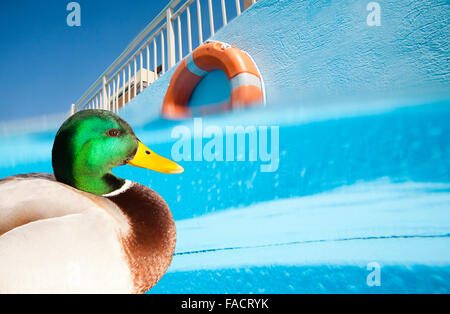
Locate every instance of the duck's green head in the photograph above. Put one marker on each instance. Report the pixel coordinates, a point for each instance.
(92, 142)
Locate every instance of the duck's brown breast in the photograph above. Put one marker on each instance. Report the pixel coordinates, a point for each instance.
(150, 244)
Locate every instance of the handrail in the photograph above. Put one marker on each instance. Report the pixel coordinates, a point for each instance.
(131, 46)
(127, 76)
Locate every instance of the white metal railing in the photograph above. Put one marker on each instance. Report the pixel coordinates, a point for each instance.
(155, 50)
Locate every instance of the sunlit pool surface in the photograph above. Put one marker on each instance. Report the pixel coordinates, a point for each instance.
(355, 185)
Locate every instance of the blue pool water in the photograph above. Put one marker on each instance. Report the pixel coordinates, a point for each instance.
(356, 184)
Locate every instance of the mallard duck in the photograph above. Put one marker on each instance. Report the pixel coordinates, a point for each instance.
(83, 229)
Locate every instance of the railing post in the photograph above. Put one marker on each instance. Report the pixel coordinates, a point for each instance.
(199, 20)
(170, 39)
(105, 98)
(72, 109)
(211, 18)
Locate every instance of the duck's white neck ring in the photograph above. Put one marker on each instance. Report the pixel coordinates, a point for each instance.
(124, 188)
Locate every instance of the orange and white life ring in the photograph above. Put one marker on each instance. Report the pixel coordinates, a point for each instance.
(247, 87)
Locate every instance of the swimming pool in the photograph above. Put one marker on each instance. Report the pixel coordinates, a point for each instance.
(355, 185)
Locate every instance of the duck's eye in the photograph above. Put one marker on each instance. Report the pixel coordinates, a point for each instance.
(113, 133)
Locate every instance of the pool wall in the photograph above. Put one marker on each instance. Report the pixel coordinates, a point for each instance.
(317, 51)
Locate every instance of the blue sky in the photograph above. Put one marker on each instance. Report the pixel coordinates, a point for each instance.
(47, 65)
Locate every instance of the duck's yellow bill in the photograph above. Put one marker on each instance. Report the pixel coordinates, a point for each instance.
(146, 158)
